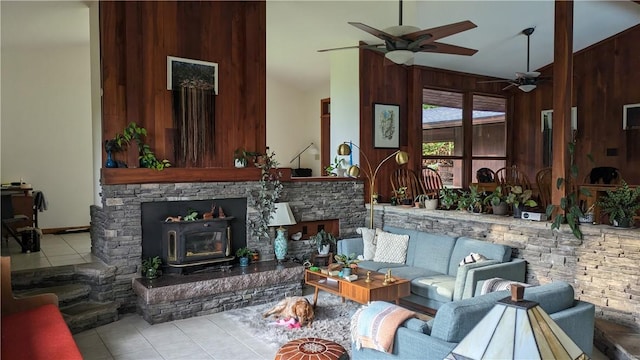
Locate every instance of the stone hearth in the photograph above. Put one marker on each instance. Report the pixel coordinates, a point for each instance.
(173, 297)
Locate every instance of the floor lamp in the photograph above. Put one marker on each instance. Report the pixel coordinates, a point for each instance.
(354, 171)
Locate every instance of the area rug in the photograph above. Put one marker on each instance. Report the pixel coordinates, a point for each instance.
(332, 322)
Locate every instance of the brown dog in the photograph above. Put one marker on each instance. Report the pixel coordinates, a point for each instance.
(293, 307)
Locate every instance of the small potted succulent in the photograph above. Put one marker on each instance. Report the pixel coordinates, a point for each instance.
(449, 198)
(349, 262)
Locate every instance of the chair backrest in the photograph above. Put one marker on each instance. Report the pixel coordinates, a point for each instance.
(543, 181)
(406, 177)
(431, 182)
(603, 175)
(511, 175)
(485, 175)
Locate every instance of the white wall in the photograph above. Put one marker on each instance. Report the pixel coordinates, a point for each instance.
(345, 101)
(293, 122)
(46, 127)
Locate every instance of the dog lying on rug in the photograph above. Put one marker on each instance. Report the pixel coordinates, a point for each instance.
(297, 307)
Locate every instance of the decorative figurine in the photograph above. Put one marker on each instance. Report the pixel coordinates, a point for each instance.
(368, 279)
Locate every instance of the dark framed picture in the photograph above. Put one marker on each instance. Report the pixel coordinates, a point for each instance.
(386, 126)
(181, 71)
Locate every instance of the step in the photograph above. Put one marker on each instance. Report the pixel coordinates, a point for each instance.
(89, 314)
(617, 341)
(67, 294)
(96, 272)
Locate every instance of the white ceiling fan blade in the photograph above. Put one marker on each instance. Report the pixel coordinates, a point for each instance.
(528, 74)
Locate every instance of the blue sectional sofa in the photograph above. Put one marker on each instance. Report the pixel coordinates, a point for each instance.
(432, 265)
(434, 339)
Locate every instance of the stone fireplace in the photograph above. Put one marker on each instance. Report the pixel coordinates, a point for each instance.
(117, 226)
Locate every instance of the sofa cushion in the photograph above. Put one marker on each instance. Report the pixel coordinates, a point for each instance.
(437, 287)
(464, 246)
(431, 251)
(409, 272)
(413, 235)
(390, 247)
(368, 242)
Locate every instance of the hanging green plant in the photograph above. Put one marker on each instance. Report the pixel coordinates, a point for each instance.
(264, 199)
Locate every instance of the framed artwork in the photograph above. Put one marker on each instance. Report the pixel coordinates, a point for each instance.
(386, 126)
(203, 73)
(631, 116)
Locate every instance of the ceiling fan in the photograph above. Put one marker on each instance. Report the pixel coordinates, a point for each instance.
(525, 81)
(402, 42)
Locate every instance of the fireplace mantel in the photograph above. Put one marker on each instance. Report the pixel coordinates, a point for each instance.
(186, 175)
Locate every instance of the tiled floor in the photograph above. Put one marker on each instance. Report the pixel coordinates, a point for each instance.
(55, 250)
(203, 337)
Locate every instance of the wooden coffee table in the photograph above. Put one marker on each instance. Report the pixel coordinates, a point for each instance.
(359, 290)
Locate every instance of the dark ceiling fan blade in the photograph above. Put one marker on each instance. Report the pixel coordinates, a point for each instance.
(430, 35)
(375, 32)
(509, 86)
(448, 49)
(372, 47)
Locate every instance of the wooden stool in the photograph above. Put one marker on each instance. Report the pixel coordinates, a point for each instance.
(312, 348)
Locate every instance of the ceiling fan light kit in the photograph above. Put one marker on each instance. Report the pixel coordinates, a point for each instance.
(527, 87)
(399, 56)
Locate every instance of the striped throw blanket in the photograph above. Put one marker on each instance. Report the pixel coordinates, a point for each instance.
(498, 284)
(374, 326)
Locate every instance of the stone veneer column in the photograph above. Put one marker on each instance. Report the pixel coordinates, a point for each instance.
(116, 231)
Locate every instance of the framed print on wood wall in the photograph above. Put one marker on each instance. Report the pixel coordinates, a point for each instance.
(386, 126)
(631, 116)
(179, 70)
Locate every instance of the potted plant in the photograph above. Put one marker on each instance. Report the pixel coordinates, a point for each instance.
(349, 261)
(255, 255)
(146, 157)
(448, 198)
(264, 198)
(427, 201)
(336, 166)
(519, 199)
(621, 204)
(151, 267)
(470, 200)
(323, 241)
(498, 201)
(401, 196)
(243, 254)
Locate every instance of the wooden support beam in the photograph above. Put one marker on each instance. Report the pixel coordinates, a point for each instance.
(562, 88)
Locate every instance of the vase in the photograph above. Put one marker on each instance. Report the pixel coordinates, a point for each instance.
(110, 163)
(431, 204)
(151, 273)
(346, 271)
(500, 209)
(244, 261)
(280, 245)
(517, 211)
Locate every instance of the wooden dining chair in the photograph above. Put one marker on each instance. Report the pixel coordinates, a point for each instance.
(485, 175)
(406, 177)
(431, 182)
(543, 181)
(511, 175)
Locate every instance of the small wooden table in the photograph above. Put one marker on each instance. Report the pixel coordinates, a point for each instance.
(359, 291)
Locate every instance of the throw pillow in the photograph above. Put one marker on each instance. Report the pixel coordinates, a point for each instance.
(472, 258)
(391, 248)
(369, 242)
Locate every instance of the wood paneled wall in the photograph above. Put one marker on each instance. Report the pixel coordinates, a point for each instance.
(606, 77)
(136, 38)
(381, 81)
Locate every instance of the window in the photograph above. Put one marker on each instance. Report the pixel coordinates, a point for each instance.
(443, 129)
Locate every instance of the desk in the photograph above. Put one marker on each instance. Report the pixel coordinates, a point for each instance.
(596, 191)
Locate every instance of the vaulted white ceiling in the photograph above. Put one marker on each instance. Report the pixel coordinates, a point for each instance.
(296, 29)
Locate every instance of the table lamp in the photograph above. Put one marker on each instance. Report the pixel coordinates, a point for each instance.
(354, 171)
(516, 329)
(281, 217)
